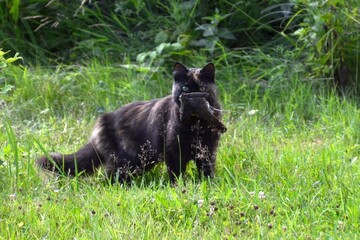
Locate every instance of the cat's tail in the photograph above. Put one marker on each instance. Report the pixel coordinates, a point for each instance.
(87, 159)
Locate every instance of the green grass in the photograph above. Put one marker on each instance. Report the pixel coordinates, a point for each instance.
(287, 168)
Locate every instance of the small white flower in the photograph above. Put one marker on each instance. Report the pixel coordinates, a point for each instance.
(12, 196)
(262, 195)
(56, 190)
(252, 112)
(341, 225)
(252, 194)
(200, 203)
(212, 211)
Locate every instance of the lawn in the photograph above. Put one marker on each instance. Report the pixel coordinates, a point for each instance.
(288, 166)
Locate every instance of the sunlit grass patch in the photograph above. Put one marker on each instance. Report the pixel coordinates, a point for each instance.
(287, 166)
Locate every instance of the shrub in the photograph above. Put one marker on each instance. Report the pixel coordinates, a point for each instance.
(328, 40)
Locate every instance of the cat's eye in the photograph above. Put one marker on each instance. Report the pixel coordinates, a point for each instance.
(185, 88)
(202, 89)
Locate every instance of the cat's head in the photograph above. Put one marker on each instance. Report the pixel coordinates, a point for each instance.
(194, 80)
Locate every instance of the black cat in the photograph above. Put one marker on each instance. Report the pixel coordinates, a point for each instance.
(133, 138)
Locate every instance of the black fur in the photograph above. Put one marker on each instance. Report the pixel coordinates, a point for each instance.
(133, 138)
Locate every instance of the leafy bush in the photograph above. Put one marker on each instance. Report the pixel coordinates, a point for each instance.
(74, 31)
(328, 40)
(4, 62)
(322, 33)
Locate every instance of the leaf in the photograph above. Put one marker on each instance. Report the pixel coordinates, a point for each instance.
(211, 46)
(207, 43)
(153, 55)
(300, 32)
(199, 43)
(225, 33)
(187, 5)
(176, 46)
(209, 29)
(2, 53)
(161, 37)
(6, 89)
(355, 12)
(138, 68)
(225, 16)
(13, 59)
(141, 57)
(14, 10)
(161, 47)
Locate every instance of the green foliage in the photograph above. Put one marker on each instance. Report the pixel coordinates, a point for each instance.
(328, 39)
(14, 10)
(212, 33)
(5, 61)
(287, 167)
(6, 87)
(47, 31)
(161, 52)
(114, 29)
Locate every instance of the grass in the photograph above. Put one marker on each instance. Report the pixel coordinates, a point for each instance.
(287, 168)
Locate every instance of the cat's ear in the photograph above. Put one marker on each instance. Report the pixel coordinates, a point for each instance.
(180, 68)
(180, 71)
(208, 72)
